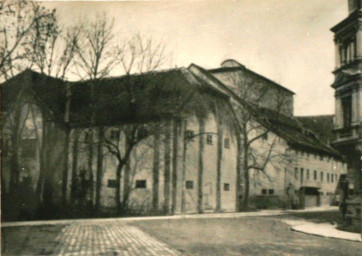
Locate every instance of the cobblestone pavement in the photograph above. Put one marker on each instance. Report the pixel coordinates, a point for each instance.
(102, 238)
(108, 239)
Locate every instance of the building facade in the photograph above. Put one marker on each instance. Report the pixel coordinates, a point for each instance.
(348, 100)
(193, 158)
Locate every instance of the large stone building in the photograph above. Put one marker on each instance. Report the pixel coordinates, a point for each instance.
(192, 127)
(348, 100)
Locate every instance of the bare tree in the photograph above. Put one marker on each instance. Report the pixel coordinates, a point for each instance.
(254, 97)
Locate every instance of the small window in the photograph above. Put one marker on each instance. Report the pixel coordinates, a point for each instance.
(322, 176)
(189, 184)
(189, 134)
(28, 147)
(271, 191)
(112, 183)
(265, 136)
(141, 184)
(227, 143)
(209, 139)
(315, 175)
(327, 177)
(114, 135)
(263, 191)
(308, 174)
(296, 172)
(321, 193)
(332, 178)
(226, 187)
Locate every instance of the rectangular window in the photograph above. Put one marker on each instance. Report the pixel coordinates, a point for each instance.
(189, 134)
(307, 174)
(301, 174)
(227, 143)
(296, 172)
(209, 139)
(189, 184)
(114, 135)
(315, 175)
(271, 191)
(347, 111)
(112, 184)
(327, 177)
(263, 191)
(141, 184)
(28, 147)
(226, 187)
(322, 176)
(332, 177)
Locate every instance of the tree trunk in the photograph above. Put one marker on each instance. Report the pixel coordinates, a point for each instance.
(201, 166)
(219, 159)
(42, 158)
(90, 165)
(99, 176)
(246, 173)
(239, 156)
(175, 128)
(126, 184)
(156, 171)
(118, 187)
(167, 170)
(48, 173)
(75, 166)
(65, 166)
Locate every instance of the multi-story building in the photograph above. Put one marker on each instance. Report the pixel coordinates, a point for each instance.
(195, 125)
(348, 100)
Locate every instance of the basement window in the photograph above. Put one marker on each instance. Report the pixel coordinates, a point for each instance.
(209, 139)
(226, 187)
(112, 183)
(141, 184)
(189, 184)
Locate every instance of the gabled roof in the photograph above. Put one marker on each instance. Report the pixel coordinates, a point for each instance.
(289, 128)
(234, 66)
(321, 125)
(48, 91)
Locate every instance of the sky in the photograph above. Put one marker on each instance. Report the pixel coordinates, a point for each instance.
(287, 41)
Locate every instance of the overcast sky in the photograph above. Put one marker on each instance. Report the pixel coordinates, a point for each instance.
(288, 41)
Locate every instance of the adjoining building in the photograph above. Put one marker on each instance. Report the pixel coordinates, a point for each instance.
(348, 105)
(190, 123)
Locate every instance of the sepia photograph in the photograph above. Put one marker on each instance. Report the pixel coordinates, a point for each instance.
(181, 127)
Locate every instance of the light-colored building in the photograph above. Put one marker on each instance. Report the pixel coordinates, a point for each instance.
(192, 160)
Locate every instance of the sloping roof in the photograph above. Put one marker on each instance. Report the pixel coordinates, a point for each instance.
(48, 91)
(321, 125)
(288, 128)
(249, 72)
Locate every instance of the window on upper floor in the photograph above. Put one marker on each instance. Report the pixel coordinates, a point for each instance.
(328, 177)
(315, 175)
(322, 174)
(347, 110)
(189, 184)
(209, 139)
(308, 174)
(296, 173)
(189, 134)
(28, 148)
(227, 143)
(141, 184)
(226, 187)
(332, 177)
(114, 135)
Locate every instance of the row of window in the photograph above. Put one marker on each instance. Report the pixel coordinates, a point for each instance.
(143, 184)
(189, 134)
(316, 156)
(267, 191)
(330, 176)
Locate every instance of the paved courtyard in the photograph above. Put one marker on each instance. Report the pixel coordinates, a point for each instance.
(110, 238)
(200, 235)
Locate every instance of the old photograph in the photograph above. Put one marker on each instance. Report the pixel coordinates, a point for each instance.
(179, 127)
